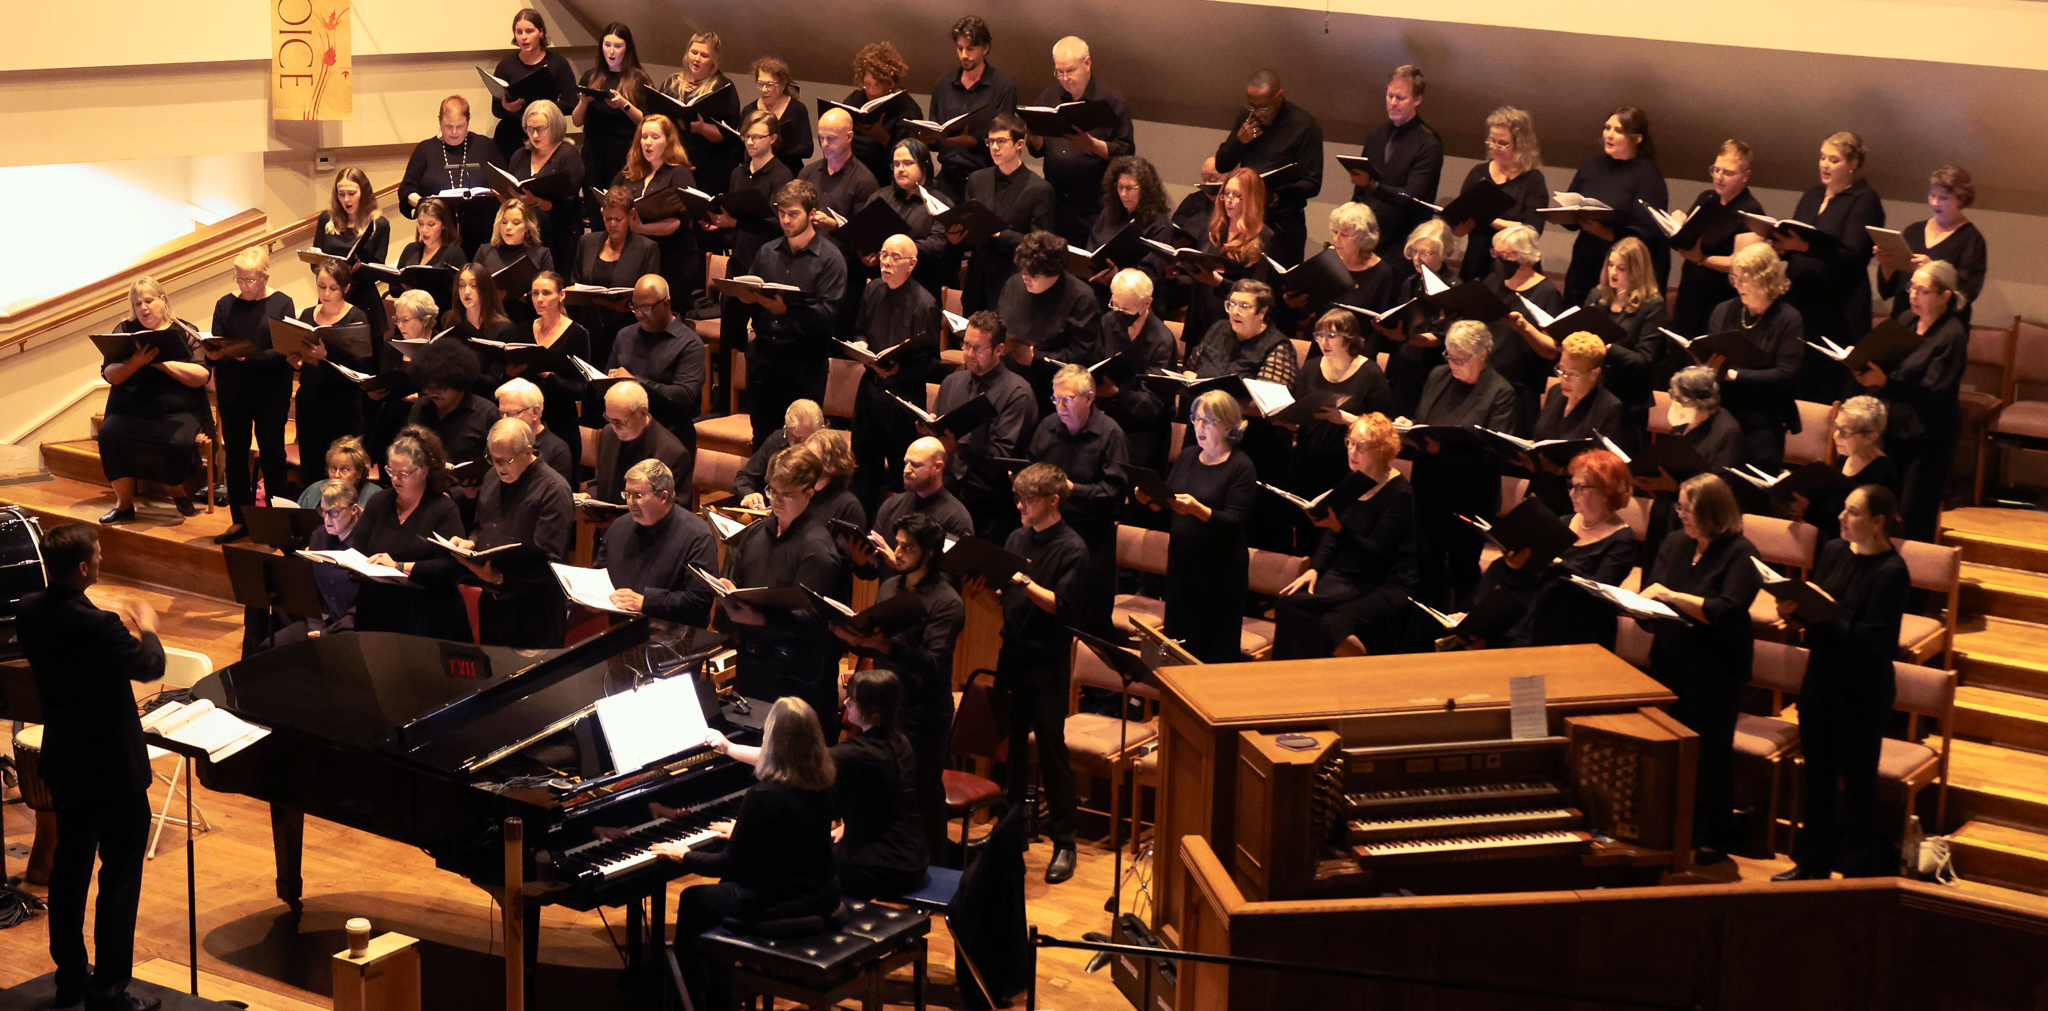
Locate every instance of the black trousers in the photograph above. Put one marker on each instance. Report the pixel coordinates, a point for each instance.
(1708, 705)
(1038, 704)
(265, 410)
(1311, 625)
(882, 432)
(1841, 732)
(698, 909)
(535, 619)
(1923, 471)
(930, 728)
(112, 824)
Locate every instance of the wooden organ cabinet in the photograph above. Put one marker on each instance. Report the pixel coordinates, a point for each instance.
(1319, 819)
(1271, 761)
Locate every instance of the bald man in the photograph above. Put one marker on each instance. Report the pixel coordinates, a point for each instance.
(1271, 132)
(1074, 164)
(522, 604)
(894, 311)
(661, 353)
(924, 491)
(844, 184)
(630, 435)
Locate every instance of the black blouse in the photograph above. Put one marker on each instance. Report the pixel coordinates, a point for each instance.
(1856, 651)
(1922, 392)
(1764, 396)
(793, 145)
(1963, 249)
(1701, 288)
(876, 793)
(1212, 550)
(509, 134)
(1319, 458)
(1530, 192)
(152, 392)
(1711, 658)
(751, 233)
(1831, 282)
(1375, 545)
(1627, 186)
(780, 853)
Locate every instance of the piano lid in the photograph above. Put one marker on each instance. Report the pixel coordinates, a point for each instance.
(400, 694)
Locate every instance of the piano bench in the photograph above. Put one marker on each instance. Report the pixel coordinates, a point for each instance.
(820, 970)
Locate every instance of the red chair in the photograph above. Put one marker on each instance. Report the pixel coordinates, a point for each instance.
(977, 733)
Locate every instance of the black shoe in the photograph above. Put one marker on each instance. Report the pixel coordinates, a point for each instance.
(1062, 866)
(1707, 857)
(186, 507)
(125, 1001)
(231, 534)
(1800, 872)
(68, 996)
(118, 515)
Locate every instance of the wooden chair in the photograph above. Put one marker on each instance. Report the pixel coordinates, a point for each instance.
(1175, 327)
(842, 387)
(2023, 421)
(1270, 573)
(712, 331)
(1301, 350)
(1772, 740)
(712, 476)
(734, 432)
(1660, 412)
(1783, 543)
(1936, 568)
(949, 300)
(1988, 381)
(1140, 550)
(977, 734)
(1811, 443)
(1099, 745)
(1905, 767)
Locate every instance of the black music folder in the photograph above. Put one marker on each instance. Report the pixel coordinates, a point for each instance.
(286, 528)
(1059, 120)
(537, 84)
(1482, 203)
(973, 556)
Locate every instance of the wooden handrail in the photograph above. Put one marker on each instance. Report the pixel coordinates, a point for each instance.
(201, 250)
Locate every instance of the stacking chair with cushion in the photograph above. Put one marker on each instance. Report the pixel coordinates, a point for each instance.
(712, 476)
(1270, 573)
(1786, 544)
(976, 734)
(2023, 422)
(1811, 443)
(1140, 550)
(1098, 745)
(1937, 568)
(183, 668)
(734, 432)
(1772, 740)
(1987, 389)
(842, 387)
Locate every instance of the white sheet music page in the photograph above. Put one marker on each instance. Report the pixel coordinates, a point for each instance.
(1526, 707)
(651, 722)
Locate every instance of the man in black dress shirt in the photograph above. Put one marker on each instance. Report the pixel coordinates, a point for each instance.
(519, 398)
(1410, 158)
(649, 551)
(1085, 443)
(630, 435)
(843, 182)
(1129, 321)
(973, 84)
(1074, 164)
(974, 467)
(1035, 662)
(751, 483)
(662, 354)
(894, 311)
(95, 762)
(786, 360)
(1270, 133)
(1013, 193)
(786, 652)
(924, 494)
(520, 503)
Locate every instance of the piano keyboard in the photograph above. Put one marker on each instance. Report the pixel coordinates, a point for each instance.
(1374, 830)
(1478, 793)
(1474, 847)
(604, 859)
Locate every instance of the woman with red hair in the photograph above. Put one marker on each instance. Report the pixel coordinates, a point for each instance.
(1237, 233)
(1555, 611)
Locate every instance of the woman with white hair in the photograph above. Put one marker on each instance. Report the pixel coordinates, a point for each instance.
(1922, 393)
(545, 154)
(254, 383)
(1858, 434)
(1207, 567)
(1523, 359)
(156, 408)
(1414, 339)
(1454, 480)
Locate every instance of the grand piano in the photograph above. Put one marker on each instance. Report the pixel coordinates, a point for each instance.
(436, 744)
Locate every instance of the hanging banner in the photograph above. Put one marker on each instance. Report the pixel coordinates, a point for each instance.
(309, 60)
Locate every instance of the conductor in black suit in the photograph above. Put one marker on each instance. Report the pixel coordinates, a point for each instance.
(95, 762)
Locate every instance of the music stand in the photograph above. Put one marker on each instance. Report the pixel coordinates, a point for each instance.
(282, 527)
(1130, 668)
(271, 581)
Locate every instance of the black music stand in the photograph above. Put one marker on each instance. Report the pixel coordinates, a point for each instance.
(282, 527)
(20, 702)
(264, 580)
(1130, 669)
(194, 756)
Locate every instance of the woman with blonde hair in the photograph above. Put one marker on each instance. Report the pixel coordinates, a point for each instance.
(1514, 163)
(1762, 399)
(157, 407)
(709, 143)
(253, 381)
(1830, 277)
(1578, 407)
(1362, 571)
(1207, 564)
(1522, 354)
(515, 234)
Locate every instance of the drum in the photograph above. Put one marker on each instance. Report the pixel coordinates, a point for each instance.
(28, 765)
(21, 571)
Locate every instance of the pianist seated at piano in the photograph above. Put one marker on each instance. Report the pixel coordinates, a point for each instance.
(1354, 594)
(775, 860)
(340, 511)
(520, 503)
(393, 531)
(630, 435)
(1548, 609)
(444, 372)
(649, 551)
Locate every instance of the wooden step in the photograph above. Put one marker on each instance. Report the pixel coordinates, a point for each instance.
(159, 547)
(1990, 783)
(2006, 655)
(2002, 718)
(2013, 538)
(1995, 590)
(2001, 855)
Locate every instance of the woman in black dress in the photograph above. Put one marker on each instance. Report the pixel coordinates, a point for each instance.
(1830, 277)
(1762, 399)
(1359, 579)
(1846, 696)
(414, 317)
(330, 405)
(1859, 431)
(254, 384)
(781, 98)
(1578, 407)
(1413, 339)
(156, 409)
(878, 70)
(547, 153)
(1926, 417)
(394, 531)
(775, 862)
(1346, 385)
(1627, 296)
(1520, 358)
(1245, 344)
(711, 145)
(1207, 564)
(553, 329)
(478, 310)
(1624, 176)
(532, 56)
(1513, 162)
(1238, 234)
(514, 236)
(350, 227)
(1458, 479)
(1703, 277)
(1947, 235)
(657, 163)
(880, 853)
(1140, 200)
(1697, 417)
(1555, 610)
(1355, 238)
(437, 243)
(610, 122)
(612, 257)
(1707, 573)
(453, 161)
